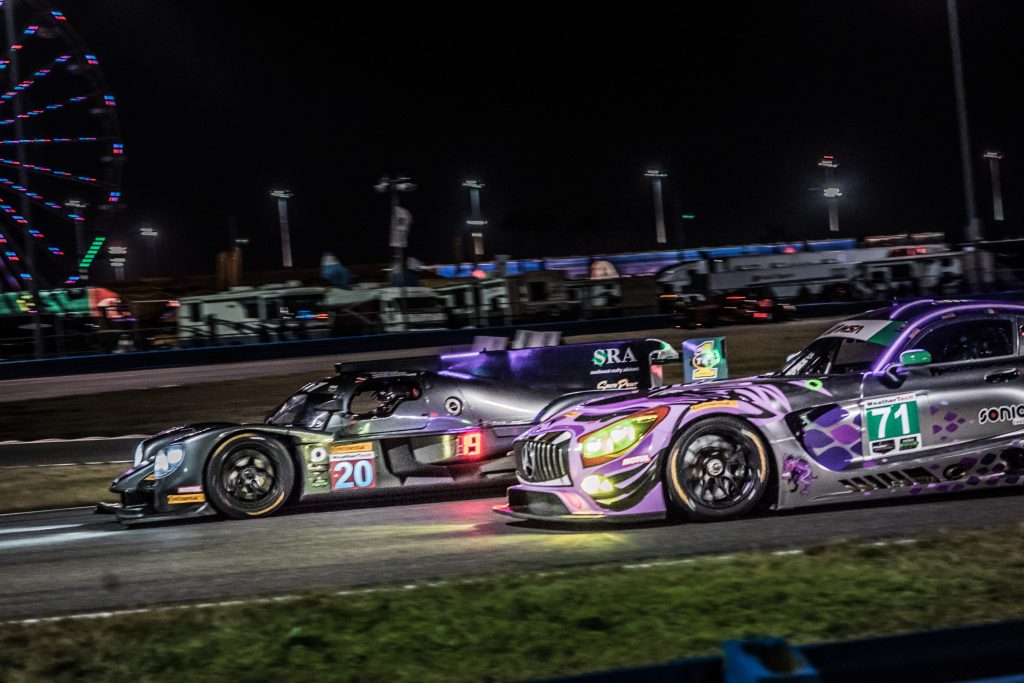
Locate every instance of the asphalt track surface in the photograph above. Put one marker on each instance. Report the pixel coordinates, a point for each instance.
(76, 451)
(73, 561)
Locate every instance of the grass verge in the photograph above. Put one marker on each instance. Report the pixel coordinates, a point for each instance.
(751, 350)
(513, 627)
(38, 488)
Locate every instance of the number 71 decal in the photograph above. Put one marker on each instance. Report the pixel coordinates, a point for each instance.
(891, 425)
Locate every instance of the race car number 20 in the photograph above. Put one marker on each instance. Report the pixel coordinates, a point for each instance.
(892, 425)
(353, 473)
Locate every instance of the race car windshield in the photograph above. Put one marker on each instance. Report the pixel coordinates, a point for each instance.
(834, 356)
(312, 410)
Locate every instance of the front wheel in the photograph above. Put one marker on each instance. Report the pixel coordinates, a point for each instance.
(249, 475)
(717, 469)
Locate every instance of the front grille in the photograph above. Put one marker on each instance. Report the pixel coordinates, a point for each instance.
(543, 458)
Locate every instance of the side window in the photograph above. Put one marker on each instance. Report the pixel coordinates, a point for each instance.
(967, 340)
(380, 396)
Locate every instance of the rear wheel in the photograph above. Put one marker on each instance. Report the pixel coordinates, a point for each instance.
(249, 475)
(717, 469)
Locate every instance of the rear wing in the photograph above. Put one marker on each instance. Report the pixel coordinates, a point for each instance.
(616, 365)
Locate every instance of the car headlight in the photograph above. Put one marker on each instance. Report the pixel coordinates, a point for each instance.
(139, 455)
(610, 442)
(168, 460)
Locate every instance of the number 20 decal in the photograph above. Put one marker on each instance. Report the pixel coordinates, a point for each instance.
(353, 474)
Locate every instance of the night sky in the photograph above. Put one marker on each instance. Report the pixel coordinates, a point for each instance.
(559, 111)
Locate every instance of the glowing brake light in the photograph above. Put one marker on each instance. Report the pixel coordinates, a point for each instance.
(761, 316)
(470, 445)
(764, 303)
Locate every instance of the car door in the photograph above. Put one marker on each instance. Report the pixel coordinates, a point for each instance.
(969, 395)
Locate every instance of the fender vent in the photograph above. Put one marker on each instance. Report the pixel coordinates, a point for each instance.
(890, 480)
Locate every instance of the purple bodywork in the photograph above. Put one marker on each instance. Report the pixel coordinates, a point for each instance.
(824, 434)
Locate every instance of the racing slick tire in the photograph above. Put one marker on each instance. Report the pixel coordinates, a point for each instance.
(249, 475)
(717, 469)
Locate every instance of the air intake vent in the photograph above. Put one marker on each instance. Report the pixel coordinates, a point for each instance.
(544, 458)
(890, 480)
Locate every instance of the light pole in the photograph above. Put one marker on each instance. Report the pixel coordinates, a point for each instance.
(475, 222)
(972, 233)
(282, 197)
(997, 188)
(399, 236)
(150, 234)
(659, 205)
(831, 192)
(118, 259)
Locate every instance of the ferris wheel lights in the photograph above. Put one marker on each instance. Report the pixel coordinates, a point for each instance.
(117, 148)
(91, 60)
(30, 30)
(109, 101)
(55, 251)
(75, 217)
(59, 16)
(62, 59)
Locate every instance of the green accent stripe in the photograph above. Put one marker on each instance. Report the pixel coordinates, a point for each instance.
(887, 335)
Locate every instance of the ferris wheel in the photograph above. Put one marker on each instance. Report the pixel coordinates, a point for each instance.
(60, 150)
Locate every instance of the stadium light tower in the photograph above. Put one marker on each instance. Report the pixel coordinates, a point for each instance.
(399, 238)
(475, 222)
(831, 192)
(659, 205)
(997, 190)
(282, 197)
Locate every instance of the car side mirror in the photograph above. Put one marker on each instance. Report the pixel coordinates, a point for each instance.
(791, 357)
(915, 357)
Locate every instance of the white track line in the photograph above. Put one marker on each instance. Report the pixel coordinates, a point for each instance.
(30, 529)
(39, 512)
(52, 540)
(65, 464)
(79, 440)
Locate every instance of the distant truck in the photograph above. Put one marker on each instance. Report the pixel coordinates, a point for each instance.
(246, 315)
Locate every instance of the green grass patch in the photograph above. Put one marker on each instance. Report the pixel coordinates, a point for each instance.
(513, 627)
(38, 488)
(144, 411)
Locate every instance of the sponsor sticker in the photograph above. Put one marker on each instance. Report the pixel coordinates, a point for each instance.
(636, 460)
(704, 359)
(190, 489)
(186, 499)
(857, 329)
(892, 424)
(623, 383)
(1013, 414)
(353, 472)
(351, 448)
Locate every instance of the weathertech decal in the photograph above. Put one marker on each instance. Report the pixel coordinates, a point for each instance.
(1013, 413)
